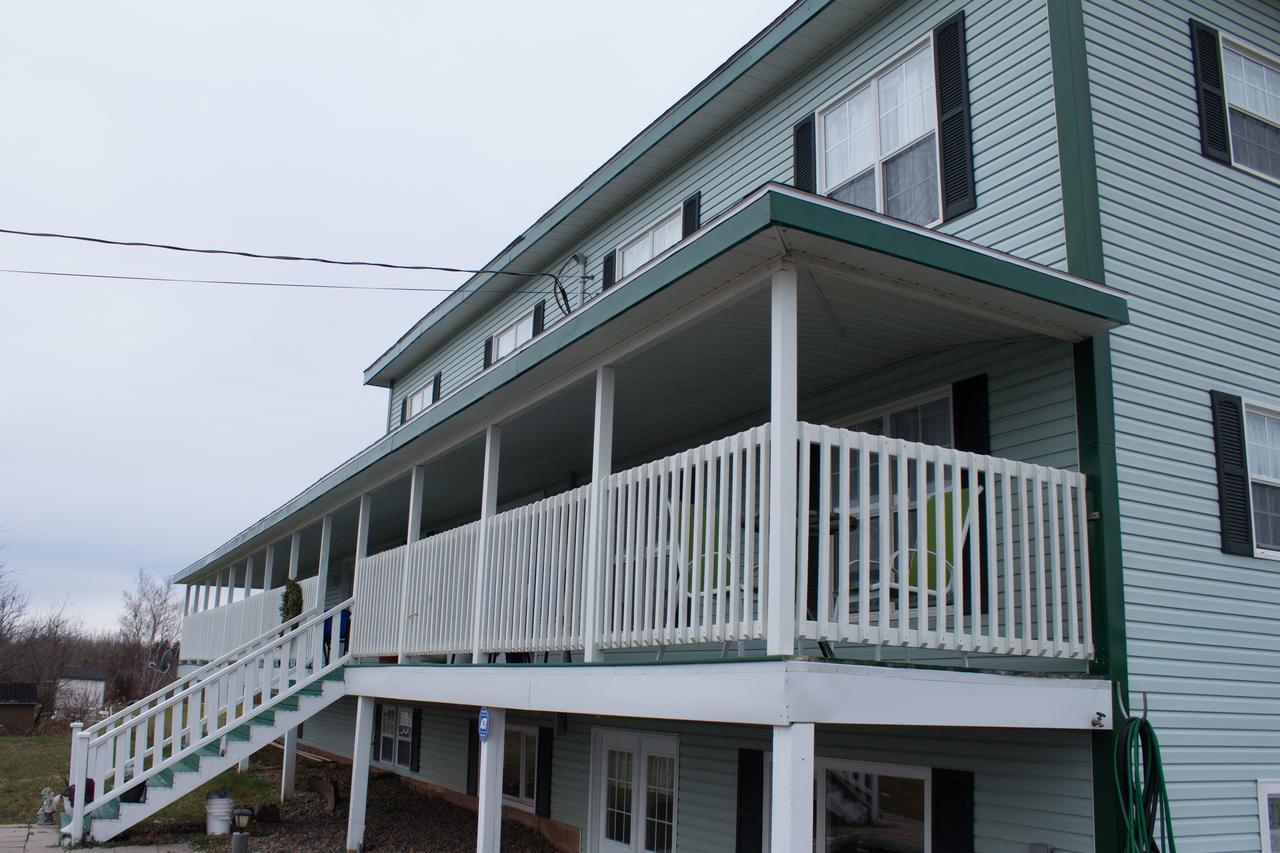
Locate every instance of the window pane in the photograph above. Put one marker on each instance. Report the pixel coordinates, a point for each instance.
(404, 752)
(1273, 820)
(835, 138)
(848, 133)
(907, 105)
(875, 426)
(388, 748)
(389, 720)
(911, 183)
(1262, 434)
(860, 192)
(636, 254)
(511, 753)
(1266, 516)
(864, 811)
(1253, 85)
(666, 235)
(660, 804)
(1255, 144)
(617, 800)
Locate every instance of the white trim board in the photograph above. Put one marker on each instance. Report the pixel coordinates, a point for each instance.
(756, 693)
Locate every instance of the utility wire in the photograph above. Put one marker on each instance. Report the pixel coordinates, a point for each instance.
(168, 280)
(140, 244)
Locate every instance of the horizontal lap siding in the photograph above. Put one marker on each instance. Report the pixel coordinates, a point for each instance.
(1196, 245)
(1014, 148)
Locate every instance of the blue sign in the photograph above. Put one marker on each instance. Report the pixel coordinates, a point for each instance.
(482, 725)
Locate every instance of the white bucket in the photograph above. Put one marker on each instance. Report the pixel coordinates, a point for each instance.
(217, 815)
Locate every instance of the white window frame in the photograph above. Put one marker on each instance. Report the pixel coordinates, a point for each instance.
(647, 233)
(1226, 43)
(425, 392)
(520, 802)
(881, 156)
(643, 743)
(885, 412)
(1271, 412)
(1266, 788)
(394, 760)
(902, 771)
(513, 326)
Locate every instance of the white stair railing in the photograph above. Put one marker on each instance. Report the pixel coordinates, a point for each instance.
(174, 723)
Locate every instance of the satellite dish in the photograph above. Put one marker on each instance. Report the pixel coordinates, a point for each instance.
(166, 661)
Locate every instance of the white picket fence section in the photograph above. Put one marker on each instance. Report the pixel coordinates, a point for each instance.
(910, 544)
(686, 546)
(209, 634)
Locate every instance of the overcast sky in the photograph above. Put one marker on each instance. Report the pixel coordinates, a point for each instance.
(141, 424)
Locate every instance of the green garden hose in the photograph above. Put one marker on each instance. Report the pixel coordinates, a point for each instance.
(1144, 802)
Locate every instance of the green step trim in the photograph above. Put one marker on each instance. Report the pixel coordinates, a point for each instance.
(240, 733)
(162, 779)
(107, 811)
(265, 718)
(211, 750)
(337, 675)
(289, 704)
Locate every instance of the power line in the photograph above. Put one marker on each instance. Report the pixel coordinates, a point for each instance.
(242, 254)
(238, 282)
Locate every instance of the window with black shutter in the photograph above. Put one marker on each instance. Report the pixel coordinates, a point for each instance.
(804, 155)
(1236, 98)
(749, 836)
(436, 382)
(1206, 64)
(609, 273)
(1247, 448)
(952, 818)
(691, 214)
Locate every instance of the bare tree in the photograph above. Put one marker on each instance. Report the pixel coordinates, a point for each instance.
(149, 625)
(14, 604)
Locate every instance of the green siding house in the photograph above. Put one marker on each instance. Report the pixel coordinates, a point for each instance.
(847, 458)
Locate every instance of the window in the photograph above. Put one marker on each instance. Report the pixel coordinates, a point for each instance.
(395, 740)
(513, 337)
(1253, 109)
(1262, 434)
(650, 243)
(926, 420)
(417, 402)
(878, 143)
(520, 766)
(1269, 814)
(871, 807)
(634, 791)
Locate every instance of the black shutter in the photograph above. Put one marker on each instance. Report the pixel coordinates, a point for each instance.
(952, 811)
(404, 409)
(955, 135)
(750, 831)
(691, 214)
(539, 317)
(610, 271)
(804, 144)
(1206, 64)
(488, 351)
(473, 757)
(377, 732)
(435, 387)
(415, 742)
(542, 783)
(1233, 474)
(970, 424)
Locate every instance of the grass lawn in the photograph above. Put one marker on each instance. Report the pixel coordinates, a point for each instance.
(27, 766)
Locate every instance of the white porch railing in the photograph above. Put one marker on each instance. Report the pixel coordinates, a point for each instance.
(211, 633)
(899, 544)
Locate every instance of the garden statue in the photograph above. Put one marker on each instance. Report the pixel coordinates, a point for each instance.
(48, 814)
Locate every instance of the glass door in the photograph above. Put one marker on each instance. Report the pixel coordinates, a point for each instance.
(636, 792)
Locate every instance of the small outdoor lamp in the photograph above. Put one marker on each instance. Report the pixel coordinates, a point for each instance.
(240, 816)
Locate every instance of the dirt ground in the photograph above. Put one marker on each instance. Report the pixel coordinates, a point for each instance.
(397, 818)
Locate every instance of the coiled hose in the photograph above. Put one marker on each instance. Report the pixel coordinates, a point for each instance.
(1144, 802)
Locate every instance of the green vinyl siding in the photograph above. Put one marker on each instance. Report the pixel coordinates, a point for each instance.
(1196, 247)
(1015, 160)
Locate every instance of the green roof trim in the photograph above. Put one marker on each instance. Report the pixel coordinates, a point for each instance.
(773, 205)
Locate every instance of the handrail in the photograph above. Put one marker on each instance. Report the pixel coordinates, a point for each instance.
(118, 715)
(187, 691)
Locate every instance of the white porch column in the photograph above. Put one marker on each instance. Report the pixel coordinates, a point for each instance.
(269, 568)
(489, 785)
(417, 480)
(248, 575)
(791, 823)
(359, 773)
(362, 527)
(488, 506)
(208, 591)
(601, 468)
(322, 572)
(217, 590)
(289, 761)
(186, 601)
(780, 629)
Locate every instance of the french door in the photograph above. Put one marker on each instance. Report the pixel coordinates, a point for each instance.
(634, 796)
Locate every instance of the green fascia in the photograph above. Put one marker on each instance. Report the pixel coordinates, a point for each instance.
(1095, 396)
(800, 14)
(772, 207)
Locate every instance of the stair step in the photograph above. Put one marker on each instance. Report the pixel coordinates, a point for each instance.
(314, 689)
(240, 733)
(211, 750)
(336, 675)
(189, 764)
(289, 704)
(161, 779)
(264, 718)
(107, 811)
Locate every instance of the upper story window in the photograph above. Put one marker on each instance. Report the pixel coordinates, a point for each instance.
(878, 144)
(648, 244)
(420, 400)
(1253, 109)
(1262, 433)
(513, 337)
(925, 419)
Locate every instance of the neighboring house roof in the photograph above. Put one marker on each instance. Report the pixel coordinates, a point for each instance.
(12, 693)
(85, 673)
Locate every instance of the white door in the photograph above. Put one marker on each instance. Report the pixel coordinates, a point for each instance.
(635, 776)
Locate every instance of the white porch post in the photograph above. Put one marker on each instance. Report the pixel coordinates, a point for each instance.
(362, 527)
(359, 773)
(791, 823)
(780, 629)
(208, 591)
(601, 468)
(217, 590)
(226, 620)
(322, 572)
(417, 480)
(186, 601)
(248, 575)
(488, 506)
(269, 568)
(489, 786)
(289, 762)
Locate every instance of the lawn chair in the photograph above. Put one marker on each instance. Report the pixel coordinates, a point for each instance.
(937, 555)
